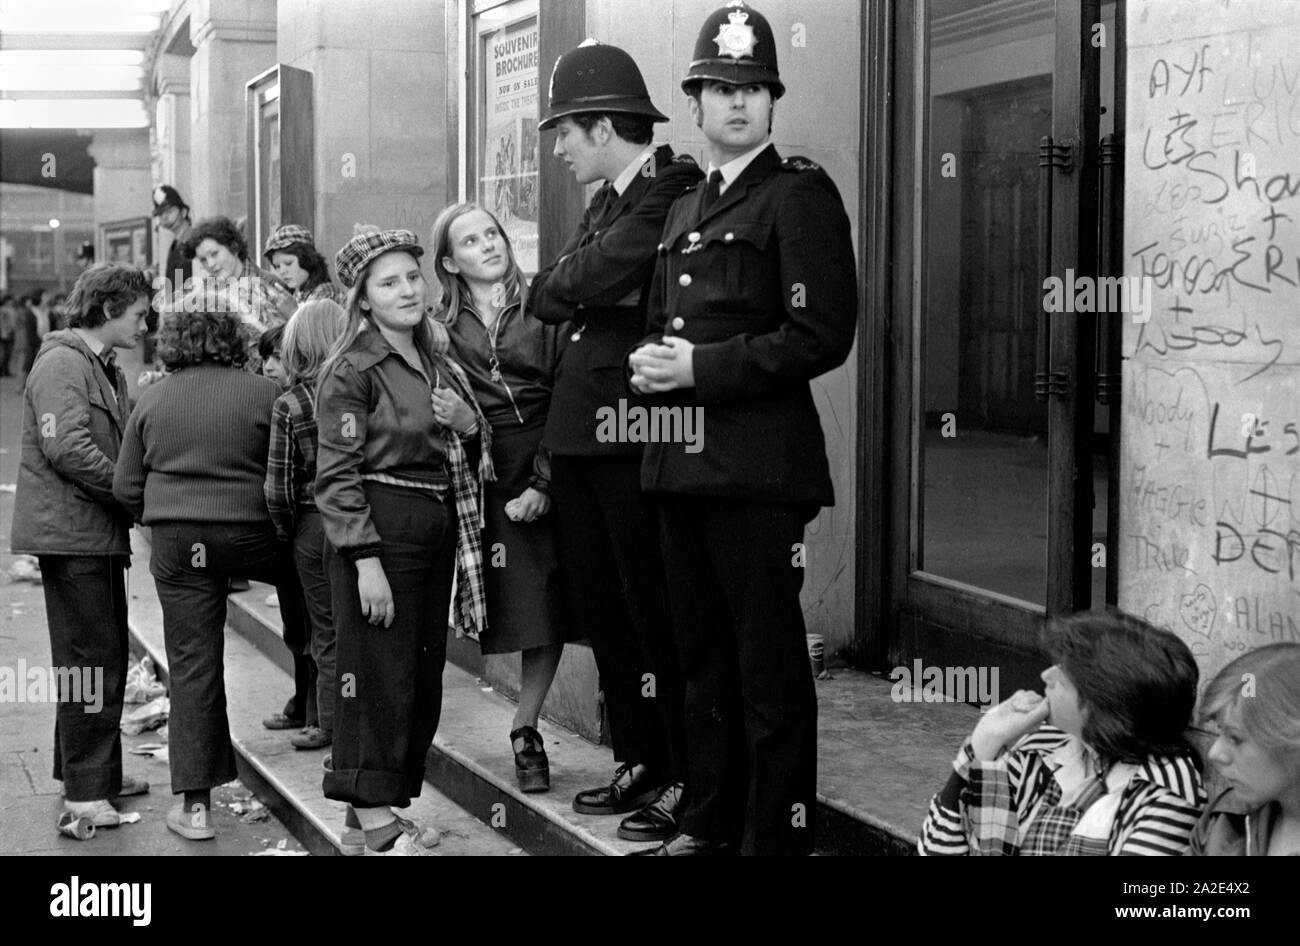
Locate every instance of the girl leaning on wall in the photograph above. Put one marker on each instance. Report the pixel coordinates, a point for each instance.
(510, 359)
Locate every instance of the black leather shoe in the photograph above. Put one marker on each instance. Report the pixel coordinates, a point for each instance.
(686, 846)
(532, 769)
(657, 821)
(632, 787)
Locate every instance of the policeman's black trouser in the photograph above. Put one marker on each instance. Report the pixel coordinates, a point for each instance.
(751, 705)
(388, 695)
(192, 564)
(85, 608)
(609, 552)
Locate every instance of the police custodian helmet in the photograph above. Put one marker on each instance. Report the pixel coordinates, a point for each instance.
(596, 77)
(735, 46)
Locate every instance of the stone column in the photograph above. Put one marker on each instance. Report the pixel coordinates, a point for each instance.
(122, 174)
(379, 79)
(234, 41)
(170, 135)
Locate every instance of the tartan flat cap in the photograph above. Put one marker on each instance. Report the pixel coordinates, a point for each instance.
(366, 245)
(286, 236)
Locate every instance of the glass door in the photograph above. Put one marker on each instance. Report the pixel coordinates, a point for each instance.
(997, 428)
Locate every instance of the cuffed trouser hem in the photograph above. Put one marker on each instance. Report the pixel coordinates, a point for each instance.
(362, 788)
(91, 782)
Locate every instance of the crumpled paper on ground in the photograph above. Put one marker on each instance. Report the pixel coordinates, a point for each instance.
(250, 811)
(150, 716)
(25, 568)
(142, 682)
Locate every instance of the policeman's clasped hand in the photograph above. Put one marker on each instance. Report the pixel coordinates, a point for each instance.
(664, 367)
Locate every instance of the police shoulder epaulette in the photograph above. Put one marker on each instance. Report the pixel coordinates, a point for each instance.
(684, 159)
(799, 164)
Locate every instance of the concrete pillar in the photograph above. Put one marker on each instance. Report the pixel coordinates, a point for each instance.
(171, 128)
(233, 40)
(170, 135)
(379, 108)
(123, 178)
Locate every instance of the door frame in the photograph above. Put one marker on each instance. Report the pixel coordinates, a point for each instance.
(902, 612)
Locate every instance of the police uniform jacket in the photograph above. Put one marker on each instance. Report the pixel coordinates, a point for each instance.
(599, 284)
(764, 284)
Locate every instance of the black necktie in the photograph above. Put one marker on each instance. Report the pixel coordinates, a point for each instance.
(601, 203)
(711, 190)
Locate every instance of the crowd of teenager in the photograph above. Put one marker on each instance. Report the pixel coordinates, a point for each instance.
(414, 447)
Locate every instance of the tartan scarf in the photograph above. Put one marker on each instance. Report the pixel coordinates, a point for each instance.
(470, 608)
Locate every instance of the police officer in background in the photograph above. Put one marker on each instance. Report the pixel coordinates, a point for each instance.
(754, 295)
(173, 216)
(606, 527)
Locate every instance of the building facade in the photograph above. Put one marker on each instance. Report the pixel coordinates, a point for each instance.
(1002, 452)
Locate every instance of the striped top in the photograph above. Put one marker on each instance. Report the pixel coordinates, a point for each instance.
(989, 807)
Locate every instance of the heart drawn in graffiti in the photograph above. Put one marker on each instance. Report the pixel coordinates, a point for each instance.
(1198, 610)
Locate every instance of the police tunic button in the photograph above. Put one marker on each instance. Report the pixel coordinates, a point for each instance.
(684, 279)
(660, 248)
(693, 236)
(575, 336)
(679, 323)
(728, 237)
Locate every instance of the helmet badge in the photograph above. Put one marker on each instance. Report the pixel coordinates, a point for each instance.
(736, 38)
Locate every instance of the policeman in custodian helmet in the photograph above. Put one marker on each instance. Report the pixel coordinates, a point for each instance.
(735, 46)
(597, 77)
(605, 527)
(754, 295)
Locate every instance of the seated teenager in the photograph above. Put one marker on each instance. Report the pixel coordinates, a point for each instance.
(1101, 765)
(1254, 704)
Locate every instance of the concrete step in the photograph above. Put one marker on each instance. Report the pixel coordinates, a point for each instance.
(286, 780)
(879, 761)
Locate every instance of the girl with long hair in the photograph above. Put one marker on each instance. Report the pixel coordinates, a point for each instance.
(510, 359)
(399, 500)
(1254, 703)
(291, 499)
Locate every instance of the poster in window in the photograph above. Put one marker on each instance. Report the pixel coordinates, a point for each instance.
(508, 173)
(127, 241)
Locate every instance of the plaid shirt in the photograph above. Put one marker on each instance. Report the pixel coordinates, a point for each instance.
(291, 461)
(1147, 809)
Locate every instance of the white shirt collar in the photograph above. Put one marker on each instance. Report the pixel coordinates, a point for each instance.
(95, 345)
(632, 170)
(736, 166)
